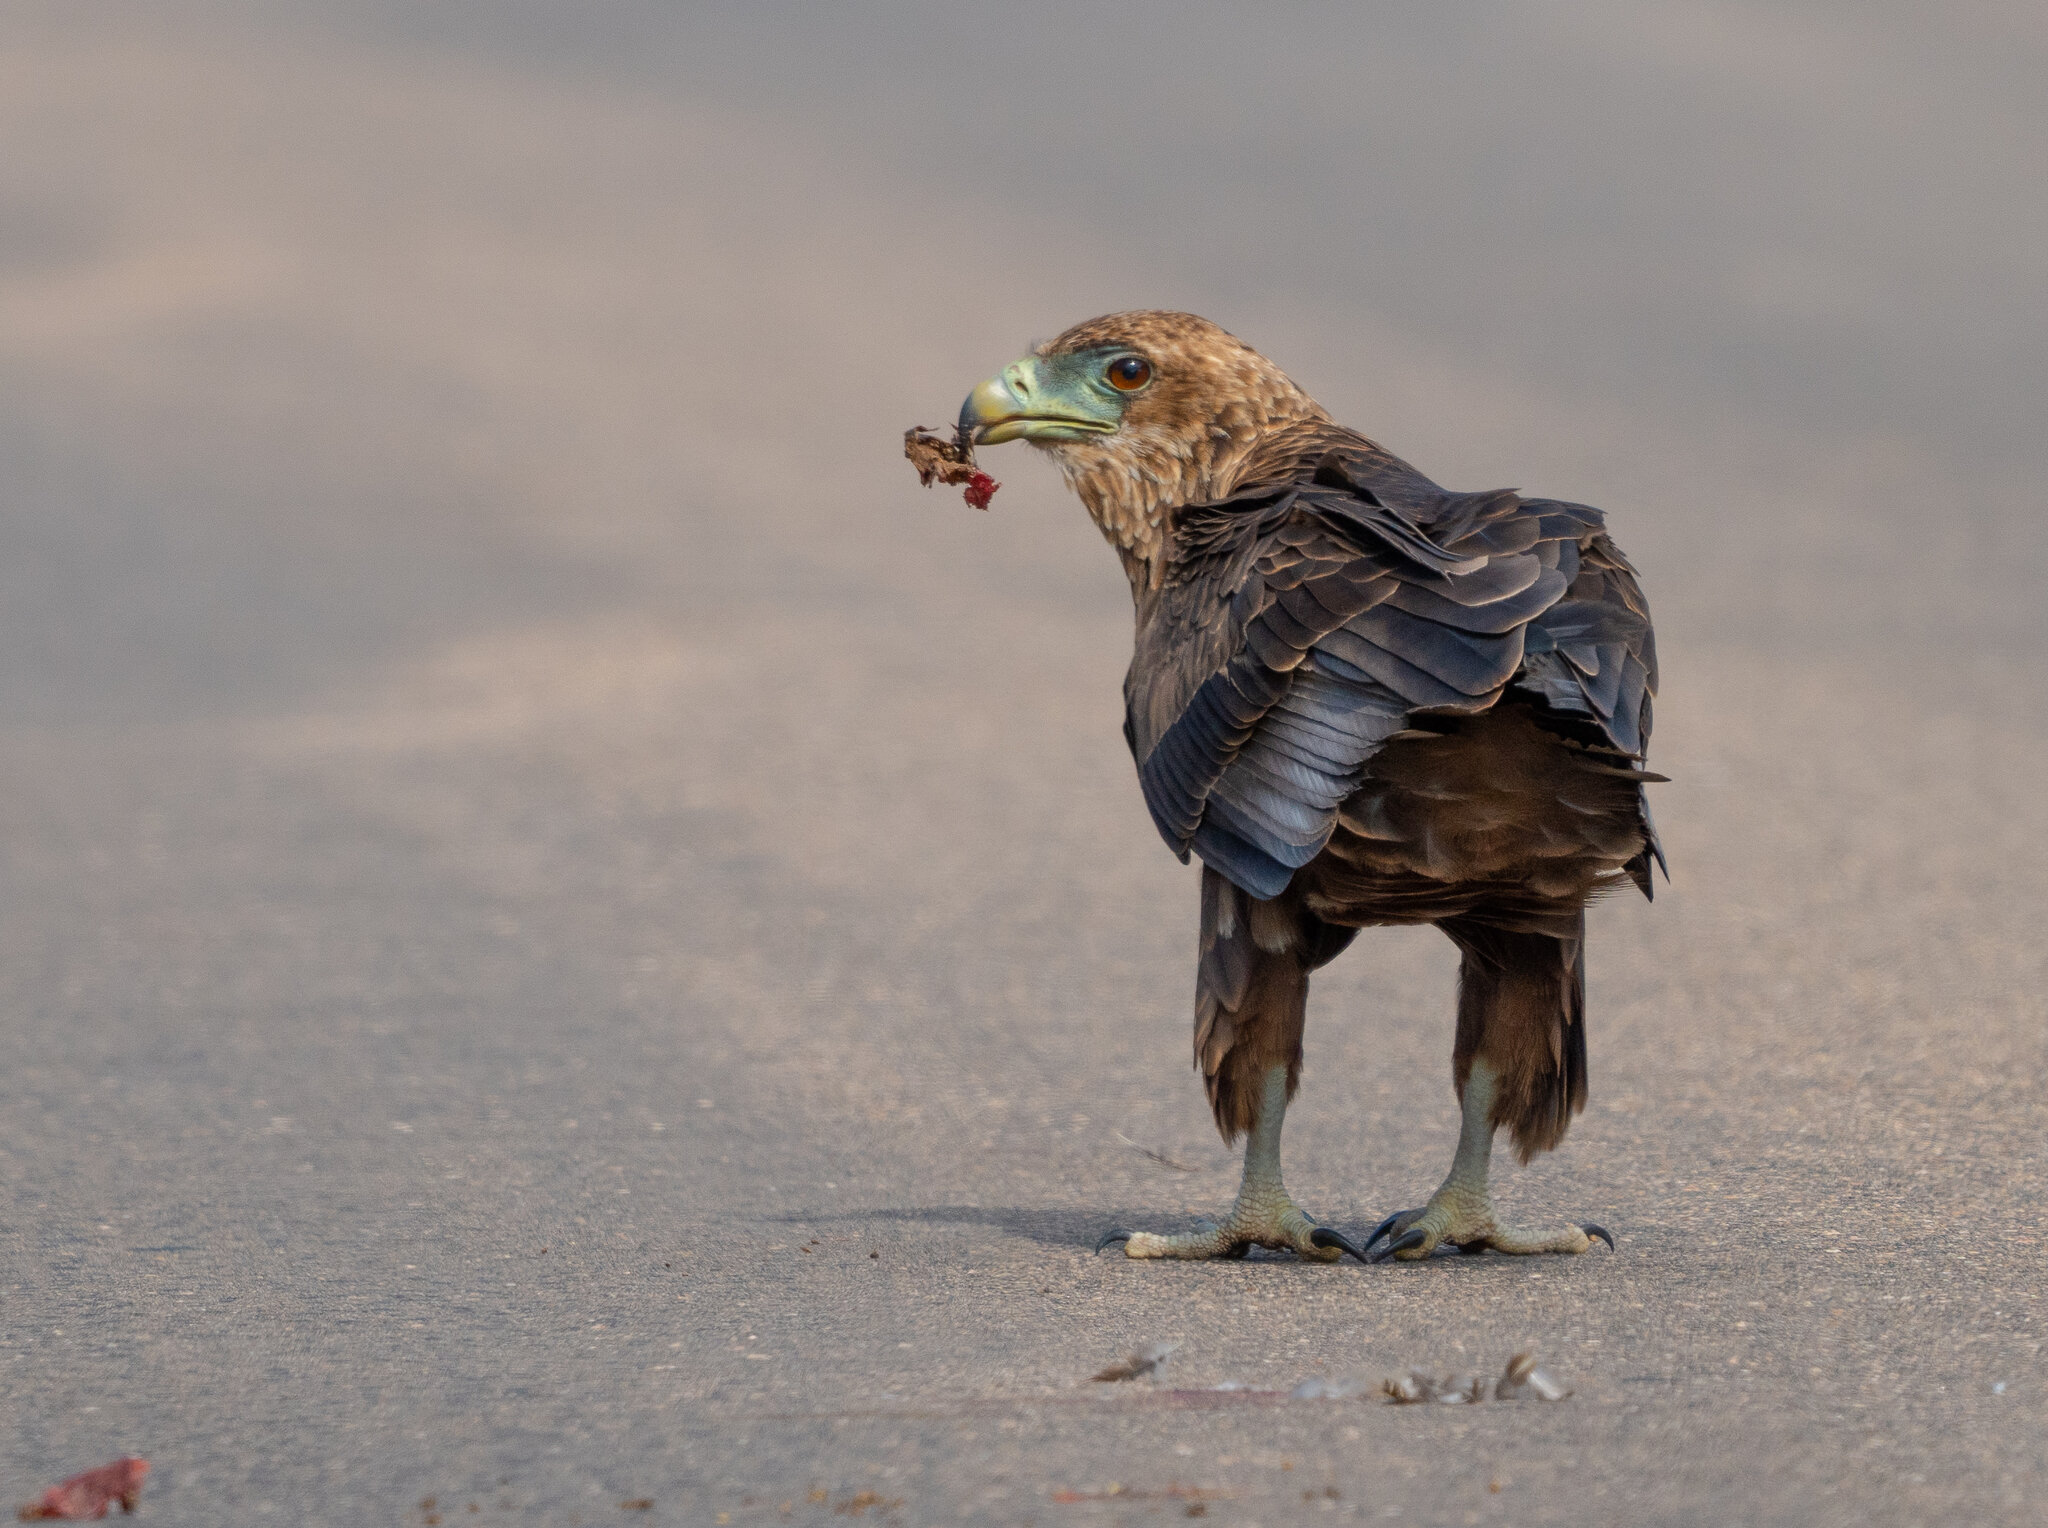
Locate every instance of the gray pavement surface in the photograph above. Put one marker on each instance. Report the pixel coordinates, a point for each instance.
(571, 938)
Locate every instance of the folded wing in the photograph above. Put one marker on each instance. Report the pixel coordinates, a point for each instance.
(1307, 619)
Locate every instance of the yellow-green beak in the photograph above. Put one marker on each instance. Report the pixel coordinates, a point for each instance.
(1030, 400)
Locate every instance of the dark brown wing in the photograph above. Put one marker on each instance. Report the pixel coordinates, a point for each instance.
(1593, 655)
(1304, 620)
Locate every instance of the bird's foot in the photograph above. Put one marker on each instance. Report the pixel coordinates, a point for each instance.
(1457, 1217)
(1271, 1220)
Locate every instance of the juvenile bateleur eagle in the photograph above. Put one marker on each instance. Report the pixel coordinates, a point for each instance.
(1359, 699)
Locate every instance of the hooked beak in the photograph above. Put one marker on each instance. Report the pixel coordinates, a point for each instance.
(1021, 403)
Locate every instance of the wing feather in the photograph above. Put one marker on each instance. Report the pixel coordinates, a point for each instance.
(1304, 622)
(1506, 613)
(1417, 686)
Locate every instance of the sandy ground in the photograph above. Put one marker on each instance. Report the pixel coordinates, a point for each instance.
(571, 938)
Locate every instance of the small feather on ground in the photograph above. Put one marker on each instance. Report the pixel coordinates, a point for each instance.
(88, 1495)
(1143, 1364)
(1521, 1380)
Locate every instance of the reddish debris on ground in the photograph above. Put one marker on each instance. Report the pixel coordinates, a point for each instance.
(89, 1495)
(939, 460)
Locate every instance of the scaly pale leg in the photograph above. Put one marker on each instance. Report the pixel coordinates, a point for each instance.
(1461, 1213)
(1263, 1216)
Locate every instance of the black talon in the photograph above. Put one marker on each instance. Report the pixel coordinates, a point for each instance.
(1383, 1227)
(1414, 1238)
(1114, 1236)
(1322, 1236)
(1599, 1231)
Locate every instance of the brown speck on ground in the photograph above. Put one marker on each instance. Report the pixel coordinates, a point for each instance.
(863, 1501)
(1143, 1364)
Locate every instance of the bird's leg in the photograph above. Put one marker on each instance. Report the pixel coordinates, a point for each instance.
(1263, 1216)
(1460, 1213)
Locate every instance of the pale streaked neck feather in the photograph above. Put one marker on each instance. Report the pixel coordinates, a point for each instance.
(1132, 484)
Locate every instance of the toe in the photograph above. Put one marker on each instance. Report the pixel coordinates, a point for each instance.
(1142, 1244)
(1569, 1241)
(1207, 1240)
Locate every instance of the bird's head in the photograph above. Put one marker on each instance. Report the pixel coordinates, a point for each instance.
(1144, 411)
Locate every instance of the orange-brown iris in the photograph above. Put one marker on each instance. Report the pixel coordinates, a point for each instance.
(1129, 373)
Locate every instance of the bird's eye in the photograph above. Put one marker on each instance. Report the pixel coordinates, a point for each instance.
(1129, 373)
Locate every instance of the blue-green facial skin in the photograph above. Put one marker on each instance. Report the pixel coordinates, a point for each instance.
(1064, 397)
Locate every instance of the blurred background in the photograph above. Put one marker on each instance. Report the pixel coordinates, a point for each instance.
(500, 753)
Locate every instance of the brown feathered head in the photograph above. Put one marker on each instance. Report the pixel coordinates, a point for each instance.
(1145, 412)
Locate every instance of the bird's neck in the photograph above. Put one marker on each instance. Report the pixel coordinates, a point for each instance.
(1134, 490)
(1132, 504)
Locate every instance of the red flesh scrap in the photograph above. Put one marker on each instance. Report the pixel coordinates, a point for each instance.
(89, 1495)
(980, 489)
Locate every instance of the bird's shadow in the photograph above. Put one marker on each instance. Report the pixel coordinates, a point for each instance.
(1073, 1228)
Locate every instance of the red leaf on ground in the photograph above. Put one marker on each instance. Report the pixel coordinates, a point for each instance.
(90, 1494)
